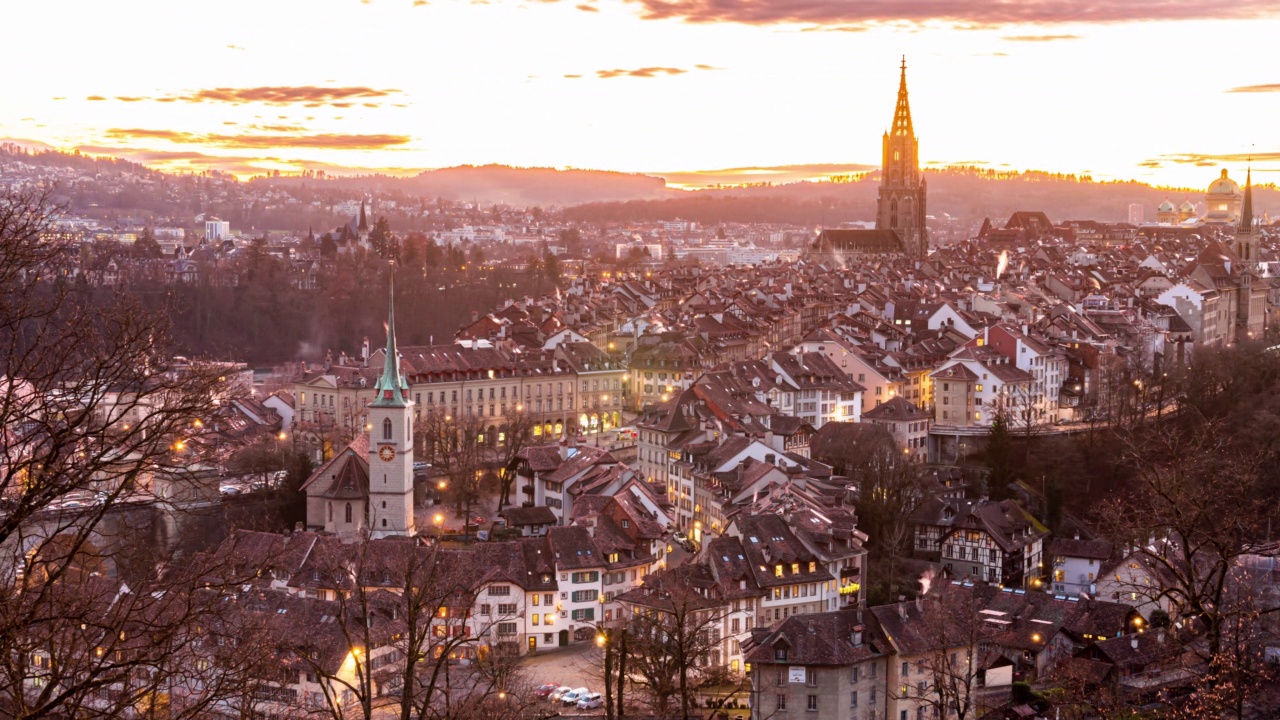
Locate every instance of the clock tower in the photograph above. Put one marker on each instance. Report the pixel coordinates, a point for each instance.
(391, 442)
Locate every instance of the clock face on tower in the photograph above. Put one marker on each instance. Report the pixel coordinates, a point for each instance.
(387, 453)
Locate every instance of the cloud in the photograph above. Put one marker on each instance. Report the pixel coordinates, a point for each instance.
(277, 95)
(234, 47)
(1206, 159)
(971, 12)
(243, 166)
(1270, 87)
(1039, 38)
(646, 72)
(573, 77)
(587, 8)
(328, 141)
(837, 28)
(1151, 164)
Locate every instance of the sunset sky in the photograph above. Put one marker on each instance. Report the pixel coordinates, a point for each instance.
(1164, 91)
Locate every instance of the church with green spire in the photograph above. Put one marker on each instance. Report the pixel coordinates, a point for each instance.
(367, 489)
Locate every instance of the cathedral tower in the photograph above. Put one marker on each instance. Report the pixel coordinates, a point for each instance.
(391, 442)
(1246, 238)
(901, 203)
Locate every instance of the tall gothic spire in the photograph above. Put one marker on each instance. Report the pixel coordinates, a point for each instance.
(902, 114)
(391, 387)
(1246, 209)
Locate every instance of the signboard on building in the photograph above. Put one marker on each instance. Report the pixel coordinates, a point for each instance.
(795, 674)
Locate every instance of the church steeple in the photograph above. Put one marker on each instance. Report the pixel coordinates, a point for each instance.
(363, 225)
(392, 390)
(902, 113)
(1246, 209)
(901, 201)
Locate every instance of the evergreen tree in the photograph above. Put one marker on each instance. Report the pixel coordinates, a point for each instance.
(146, 246)
(999, 456)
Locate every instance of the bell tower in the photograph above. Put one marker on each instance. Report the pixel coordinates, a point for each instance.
(901, 203)
(391, 441)
(1246, 237)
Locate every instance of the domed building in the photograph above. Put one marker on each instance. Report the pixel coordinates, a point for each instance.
(1186, 211)
(1166, 214)
(1223, 200)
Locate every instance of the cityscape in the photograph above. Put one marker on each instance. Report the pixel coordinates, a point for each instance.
(308, 422)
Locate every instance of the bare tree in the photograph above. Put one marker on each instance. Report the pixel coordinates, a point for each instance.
(1196, 509)
(672, 631)
(455, 446)
(518, 435)
(955, 653)
(92, 412)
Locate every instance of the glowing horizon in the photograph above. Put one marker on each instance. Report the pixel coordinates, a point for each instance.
(686, 89)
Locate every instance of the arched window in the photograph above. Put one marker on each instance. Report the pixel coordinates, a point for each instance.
(348, 513)
(386, 429)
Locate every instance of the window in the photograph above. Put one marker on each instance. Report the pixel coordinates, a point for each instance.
(587, 614)
(499, 590)
(507, 628)
(484, 609)
(906, 669)
(810, 676)
(536, 618)
(586, 577)
(782, 677)
(779, 653)
(506, 608)
(853, 677)
(584, 595)
(386, 429)
(782, 702)
(813, 703)
(348, 512)
(853, 699)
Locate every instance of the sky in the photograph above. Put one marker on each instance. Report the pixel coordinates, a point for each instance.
(1162, 91)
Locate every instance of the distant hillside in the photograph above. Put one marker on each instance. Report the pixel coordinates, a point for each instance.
(519, 187)
(966, 193)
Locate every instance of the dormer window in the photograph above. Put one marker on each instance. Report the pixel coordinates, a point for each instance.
(777, 570)
(780, 653)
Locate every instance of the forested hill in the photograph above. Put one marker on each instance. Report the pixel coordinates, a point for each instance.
(518, 187)
(958, 192)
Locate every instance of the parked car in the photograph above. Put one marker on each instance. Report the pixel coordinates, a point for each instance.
(591, 701)
(72, 504)
(679, 537)
(229, 490)
(560, 692)
(546, 689)
(573, 696)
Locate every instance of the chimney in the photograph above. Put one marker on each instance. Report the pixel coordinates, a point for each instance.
(920, 603)
(856, 638)
(475, 315)
(364, 351)
(564, 448)
(902, 606)
(1133, 642)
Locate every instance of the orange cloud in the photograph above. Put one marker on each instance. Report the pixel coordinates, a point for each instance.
(1270, 87)
(1039, 38)
(647, 72)
(330, 141)
(307, 95)
(587, 8)
(971, 12)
